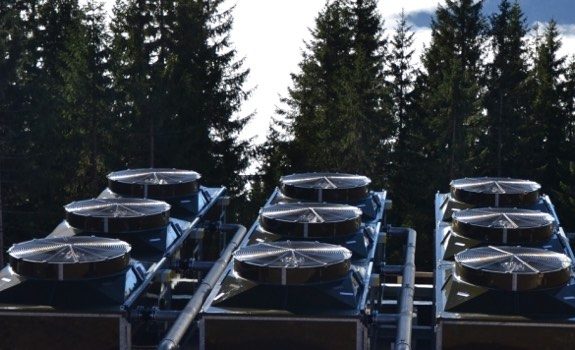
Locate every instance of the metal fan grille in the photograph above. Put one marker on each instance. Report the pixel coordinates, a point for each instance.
(325, 187)
(311, 220)
(115, 215)
(503, 225)
(154, 183)
(292, 262)
(513, 268)
(494, 191)
(66, 258)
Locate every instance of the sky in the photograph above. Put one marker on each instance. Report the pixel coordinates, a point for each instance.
(270, 35)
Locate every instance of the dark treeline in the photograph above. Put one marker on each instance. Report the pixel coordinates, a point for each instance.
(491, 97)
(158, 84)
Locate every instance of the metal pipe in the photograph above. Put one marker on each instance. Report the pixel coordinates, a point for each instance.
(188, 314)
(153, 270)
(405, 312)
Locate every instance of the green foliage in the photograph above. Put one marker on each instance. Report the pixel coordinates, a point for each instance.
(337, 114)
(453, 65)
(86, 91)
(161, 85)
(179, 87)
(507, 94)
(408, 180)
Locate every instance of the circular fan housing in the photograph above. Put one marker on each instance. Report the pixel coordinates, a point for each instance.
(495, 191)
(115, 215)
(503, 225)
(69, 258)
(292, 262)
(311, 220)
(513, 268)
(154, 183)
(325, 187)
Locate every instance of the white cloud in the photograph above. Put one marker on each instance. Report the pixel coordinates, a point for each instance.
(392, 9)
(567, 32)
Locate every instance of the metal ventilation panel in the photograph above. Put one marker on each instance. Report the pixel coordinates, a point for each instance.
(325, 187)
(495, 191)
(117, 215)
(311, 220)
(513, 268)
(292, 262)
(69, 258)
(154, 183)
(503, 225)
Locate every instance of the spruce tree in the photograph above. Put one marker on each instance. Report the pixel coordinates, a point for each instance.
(410, 167)
(180, 86)
(131, 56)
(336, 111)
(402, 74)
(274, 155)
(37, 165)
(548, 122)
(204, 91)
(314, 102)
(569, 101)
(506, 95)
(365, 116)
(452, 100)
(90, 137)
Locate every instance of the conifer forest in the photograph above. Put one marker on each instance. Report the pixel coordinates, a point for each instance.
(160, 84)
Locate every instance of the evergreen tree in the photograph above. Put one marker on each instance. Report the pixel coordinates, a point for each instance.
(337, 112)
(36, 159)
(314, 102)
(14, 43)
(548, 123)
(180, 86)
(89, 137)
(205, 91)
(409, 179)
(275, 157)
(506, 95)
(133, 30)
(402, 75)
(365, 116)
(49, 161)
(453, 70)
(569, 101)
(553, 163)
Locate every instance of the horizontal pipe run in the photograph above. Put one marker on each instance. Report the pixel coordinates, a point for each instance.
(176, 333)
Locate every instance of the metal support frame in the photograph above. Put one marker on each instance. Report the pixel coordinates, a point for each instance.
(164, 261)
